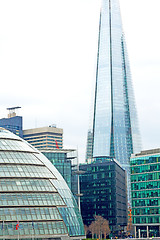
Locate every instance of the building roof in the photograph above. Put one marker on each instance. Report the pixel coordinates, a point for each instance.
(51, 129)
(147, 152)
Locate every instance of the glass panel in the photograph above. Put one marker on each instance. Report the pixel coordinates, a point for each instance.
(32, 199)
(26, 185)
(32, 228)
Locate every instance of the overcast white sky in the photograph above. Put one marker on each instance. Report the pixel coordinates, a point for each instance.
(48, 54)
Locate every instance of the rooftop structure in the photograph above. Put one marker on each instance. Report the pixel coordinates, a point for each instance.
(12, 111)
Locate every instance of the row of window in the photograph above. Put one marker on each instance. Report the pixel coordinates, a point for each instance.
(99, 168)
(146, 194)
(30, 199)
(25, 171)
(145, 177)
(145, 160)
(19, 157)
(33, 228)
(11, 127)
(40, 135)
(21, 161)
(26, 185)
(145, 168)
(145, 185)
(90, 177)
(146, 219)
(55, 156)
(22, 214)
(15, 145)
(45, 141)
(146, 202)
(35, 144)
(43, 137)
(145, 211)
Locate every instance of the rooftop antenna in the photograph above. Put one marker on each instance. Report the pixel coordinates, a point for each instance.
(12, 111)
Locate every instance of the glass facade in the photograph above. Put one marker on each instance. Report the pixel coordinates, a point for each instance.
(13, 124)
(115, 128)
(33, 193)
(61, 162)
(65, 161)
(103, 186)
(145, 192)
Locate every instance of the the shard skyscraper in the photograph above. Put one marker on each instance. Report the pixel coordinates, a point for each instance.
(114, 131)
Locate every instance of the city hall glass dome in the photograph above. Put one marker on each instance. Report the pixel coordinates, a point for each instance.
(35, 201)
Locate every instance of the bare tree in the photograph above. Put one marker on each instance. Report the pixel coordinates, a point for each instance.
(99, 226)
(105, 228)
(99, 221)
(86, 229)
(102, 226)
(92, 228)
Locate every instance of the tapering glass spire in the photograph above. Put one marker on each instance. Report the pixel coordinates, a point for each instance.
(115, 127)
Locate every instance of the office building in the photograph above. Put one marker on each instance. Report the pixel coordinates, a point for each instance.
(103, 185)
(44, 137)
(145, 192)
(13, 123)
(114, 129)
(66, 162)
(35, 201)
(63, 160)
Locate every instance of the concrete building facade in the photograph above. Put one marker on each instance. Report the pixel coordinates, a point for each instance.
(44, 137)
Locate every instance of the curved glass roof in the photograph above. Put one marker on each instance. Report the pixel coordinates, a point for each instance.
(33, 193)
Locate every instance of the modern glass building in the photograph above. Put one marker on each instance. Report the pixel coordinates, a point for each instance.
(114, 129)
(35, 201)
(66, 162)
(103, 185)
(13, 123)
(145, 191)
(62, 159)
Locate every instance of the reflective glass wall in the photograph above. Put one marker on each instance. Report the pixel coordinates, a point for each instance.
(35, 201)
(145, 192)
(115, 127)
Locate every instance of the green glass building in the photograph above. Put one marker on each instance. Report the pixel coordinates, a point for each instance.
(65, 161)
(145, 192)
(61, 159)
